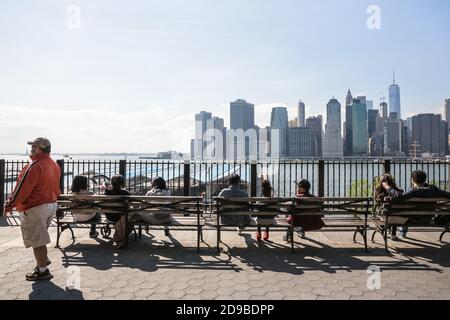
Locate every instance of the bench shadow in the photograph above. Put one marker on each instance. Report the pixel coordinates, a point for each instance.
(47, 290)
(146, 254)
(10, 221)
(313, 255)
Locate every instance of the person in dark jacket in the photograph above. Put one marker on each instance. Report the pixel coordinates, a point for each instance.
(419, 189)
(304, 222)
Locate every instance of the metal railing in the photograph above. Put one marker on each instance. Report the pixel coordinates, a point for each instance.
(330, 178)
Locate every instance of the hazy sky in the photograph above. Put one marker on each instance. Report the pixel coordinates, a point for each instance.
(128, 76)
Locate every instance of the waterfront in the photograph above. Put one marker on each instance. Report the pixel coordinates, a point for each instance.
(340, 178)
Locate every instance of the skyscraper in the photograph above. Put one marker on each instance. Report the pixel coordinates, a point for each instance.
(279, 121)
(369, 104)
(215, 134)
(362, 99)
(384, 110)
(394, 99)
(396, 136)
(447, 110)
(359, 128)
(372, 116)
(332, 140)
(242, 115)
(301, 114)
(349, 98)
(447, 116)
(293, 123)
(315, 123)
(430, 133)
(348, 131)
(200, 129)
(300, 142)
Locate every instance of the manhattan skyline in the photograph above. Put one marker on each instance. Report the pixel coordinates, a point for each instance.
(140, 73)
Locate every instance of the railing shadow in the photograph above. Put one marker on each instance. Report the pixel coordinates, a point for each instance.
(313, 255)
(148, 255)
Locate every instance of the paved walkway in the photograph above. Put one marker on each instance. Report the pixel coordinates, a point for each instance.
(325, 266)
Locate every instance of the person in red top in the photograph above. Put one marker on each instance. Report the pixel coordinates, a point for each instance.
(35, 197)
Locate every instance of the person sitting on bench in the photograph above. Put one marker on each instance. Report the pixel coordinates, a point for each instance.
(419, 189)
(233, 191)
(304, 222)
(118, 189)
(381, 192)
(267, 221)
(159, 189)
(80, 187)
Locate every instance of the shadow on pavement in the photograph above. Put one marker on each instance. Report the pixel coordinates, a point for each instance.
(46, 290)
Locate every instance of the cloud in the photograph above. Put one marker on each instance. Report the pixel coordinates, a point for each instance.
(71, 131)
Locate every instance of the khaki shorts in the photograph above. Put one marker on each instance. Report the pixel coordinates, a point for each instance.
(35, 223)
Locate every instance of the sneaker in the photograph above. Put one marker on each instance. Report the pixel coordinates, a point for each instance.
(258, 236)
(93, 234)
(301, 233)
(266, 236)
(166, 232)
(37, 275)
(239, 231)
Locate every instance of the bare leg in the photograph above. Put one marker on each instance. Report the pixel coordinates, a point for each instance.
(40, 254)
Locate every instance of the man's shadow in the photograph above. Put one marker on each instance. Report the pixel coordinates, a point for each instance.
(47, 290)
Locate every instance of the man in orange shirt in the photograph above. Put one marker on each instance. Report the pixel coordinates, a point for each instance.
(35, 197)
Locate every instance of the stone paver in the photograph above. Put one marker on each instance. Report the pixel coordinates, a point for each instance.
(338, 270)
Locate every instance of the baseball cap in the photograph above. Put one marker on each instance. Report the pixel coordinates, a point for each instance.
(40, 142)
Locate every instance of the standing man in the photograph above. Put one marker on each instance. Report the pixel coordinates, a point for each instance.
(35, 197)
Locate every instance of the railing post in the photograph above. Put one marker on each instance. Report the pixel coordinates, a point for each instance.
(2, 185)
(253, 175)
(448, 177)
(321, 178)
(61, 178)
(387, 166)
(123, 168)
(187, 178)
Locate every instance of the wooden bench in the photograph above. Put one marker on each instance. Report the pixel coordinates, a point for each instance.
(393, 213)
(186, 212)
(255, 207)
(340, 214)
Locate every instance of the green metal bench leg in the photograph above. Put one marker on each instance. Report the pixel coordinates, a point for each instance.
(135, 234)
(355, 233)
(365, 240)
(218, 240)
(291, 233)
(374, 233)
(58, 234)
(198, 239)
(385, 234)
(447, 230)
